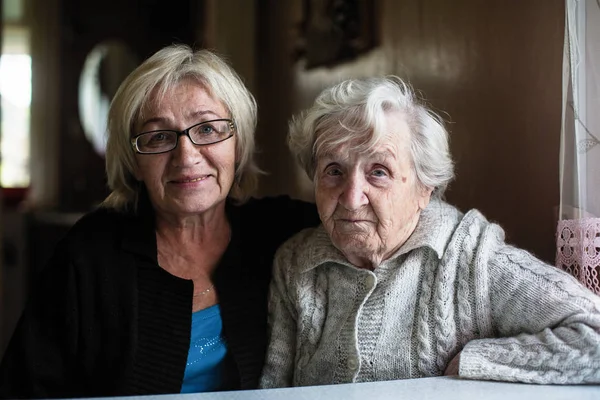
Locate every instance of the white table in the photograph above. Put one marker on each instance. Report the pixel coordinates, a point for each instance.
(445, 388)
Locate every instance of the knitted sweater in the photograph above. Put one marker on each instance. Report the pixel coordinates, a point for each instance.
(454, 286)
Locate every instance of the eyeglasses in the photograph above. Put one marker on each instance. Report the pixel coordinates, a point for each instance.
(202, 134)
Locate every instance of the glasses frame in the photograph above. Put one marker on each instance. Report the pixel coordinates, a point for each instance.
(185, 132)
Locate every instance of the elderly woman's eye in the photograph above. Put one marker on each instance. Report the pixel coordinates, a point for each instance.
(380, 173)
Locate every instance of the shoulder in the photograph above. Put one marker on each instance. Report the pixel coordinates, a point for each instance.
(300, 245)
(98, 222)
(292, 256)
(483, 243)
(90, 248)
(100, 218)
(263, 224)
(473, 229)
(470, 239)
(306, 250)
(448, 231)
(94, 231)
(279, 206)
(281, 215)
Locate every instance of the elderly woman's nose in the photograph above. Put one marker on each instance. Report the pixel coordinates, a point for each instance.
(354, 195)
(186, 152)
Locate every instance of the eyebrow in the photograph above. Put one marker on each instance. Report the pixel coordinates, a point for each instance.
(165, 119)
(378, 156)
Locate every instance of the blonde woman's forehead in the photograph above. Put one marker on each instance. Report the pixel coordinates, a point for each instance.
(185, 102)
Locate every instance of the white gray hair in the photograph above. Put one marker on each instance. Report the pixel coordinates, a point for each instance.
(160, 73)
(353, 113)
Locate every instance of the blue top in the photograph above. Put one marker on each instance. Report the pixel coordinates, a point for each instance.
(204, 368)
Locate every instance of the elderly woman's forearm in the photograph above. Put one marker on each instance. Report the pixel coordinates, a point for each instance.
(548, 322)
(546, 358)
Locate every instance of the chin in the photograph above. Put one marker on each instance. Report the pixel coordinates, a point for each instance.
(198, 207)
(351, 246)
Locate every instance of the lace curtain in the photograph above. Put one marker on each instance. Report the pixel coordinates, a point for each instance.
(578, 229)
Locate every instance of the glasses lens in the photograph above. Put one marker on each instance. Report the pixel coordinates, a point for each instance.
(157, 142)
(210, 132)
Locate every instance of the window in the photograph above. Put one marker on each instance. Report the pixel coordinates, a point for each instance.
(15, 88)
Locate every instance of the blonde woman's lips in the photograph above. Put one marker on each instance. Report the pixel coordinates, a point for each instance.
(189, 180)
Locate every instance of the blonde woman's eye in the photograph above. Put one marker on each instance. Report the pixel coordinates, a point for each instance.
(206, 129)
(157, 137)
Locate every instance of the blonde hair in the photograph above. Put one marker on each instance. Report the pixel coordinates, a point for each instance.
(353, 113)
(154, 77)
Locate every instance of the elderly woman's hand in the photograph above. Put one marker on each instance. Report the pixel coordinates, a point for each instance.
(452, 368)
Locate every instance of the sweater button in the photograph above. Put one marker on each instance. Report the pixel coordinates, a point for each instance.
(370, 281)
(352, 363)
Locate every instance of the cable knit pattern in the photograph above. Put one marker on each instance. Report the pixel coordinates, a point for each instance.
(425, 351)
(454, 286)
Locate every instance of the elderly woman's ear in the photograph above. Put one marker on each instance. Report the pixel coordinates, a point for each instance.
(425, 197)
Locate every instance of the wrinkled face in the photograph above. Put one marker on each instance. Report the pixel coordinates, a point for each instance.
(370, 203)
(190, 179)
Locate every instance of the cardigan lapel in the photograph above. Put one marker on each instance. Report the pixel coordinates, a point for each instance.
(139, 235)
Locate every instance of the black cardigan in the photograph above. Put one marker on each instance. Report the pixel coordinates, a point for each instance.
(105, 320)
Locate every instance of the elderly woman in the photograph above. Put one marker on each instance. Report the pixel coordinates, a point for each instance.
(163, 289)
(396, 283)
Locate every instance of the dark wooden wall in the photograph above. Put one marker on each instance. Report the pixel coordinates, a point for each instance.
(493, 66)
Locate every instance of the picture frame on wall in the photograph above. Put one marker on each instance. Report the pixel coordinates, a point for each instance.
(336, 31)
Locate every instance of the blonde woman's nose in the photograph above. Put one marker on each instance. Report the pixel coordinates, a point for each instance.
(186, 153)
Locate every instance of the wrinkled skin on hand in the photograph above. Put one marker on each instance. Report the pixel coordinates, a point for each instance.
(453, 366)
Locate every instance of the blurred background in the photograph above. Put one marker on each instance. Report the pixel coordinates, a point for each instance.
(492, 68)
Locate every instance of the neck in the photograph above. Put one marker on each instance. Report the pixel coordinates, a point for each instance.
(191, 248)
(196, 227)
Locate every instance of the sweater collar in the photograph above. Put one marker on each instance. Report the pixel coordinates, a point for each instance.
(435, 226)
(434, 229)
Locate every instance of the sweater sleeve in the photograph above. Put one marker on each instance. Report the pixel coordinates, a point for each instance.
(39, 361)
(278, 370)
(546, 323)
(291, 216)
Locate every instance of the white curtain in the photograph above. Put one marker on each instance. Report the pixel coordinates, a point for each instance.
(578, 229)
